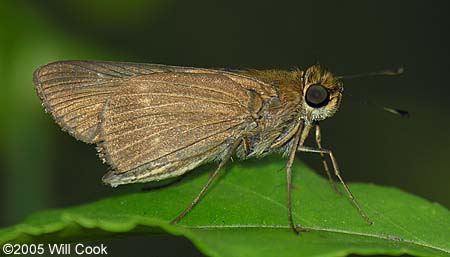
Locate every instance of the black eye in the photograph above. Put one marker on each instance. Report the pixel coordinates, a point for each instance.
(317, 96)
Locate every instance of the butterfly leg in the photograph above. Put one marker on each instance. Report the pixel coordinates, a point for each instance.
(211, 178)
(324, 161)
(297, 138)
(246, 146)
(338, 174)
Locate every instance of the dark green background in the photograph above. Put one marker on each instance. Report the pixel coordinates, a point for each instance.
(42, 167)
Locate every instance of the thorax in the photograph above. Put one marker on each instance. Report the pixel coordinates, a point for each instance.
(276, 121)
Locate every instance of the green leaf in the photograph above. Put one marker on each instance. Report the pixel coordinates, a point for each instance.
(244, 214)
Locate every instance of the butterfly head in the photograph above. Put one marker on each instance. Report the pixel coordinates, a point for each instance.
(322, 94)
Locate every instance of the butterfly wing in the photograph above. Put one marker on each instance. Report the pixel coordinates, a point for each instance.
(162, 125)
(150, 121)
(74, 92)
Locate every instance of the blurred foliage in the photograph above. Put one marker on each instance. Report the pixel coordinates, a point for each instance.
(42, 167)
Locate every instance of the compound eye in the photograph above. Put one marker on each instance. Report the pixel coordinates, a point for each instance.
(317, 96)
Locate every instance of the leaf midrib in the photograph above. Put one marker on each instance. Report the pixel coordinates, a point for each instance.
(331, 230)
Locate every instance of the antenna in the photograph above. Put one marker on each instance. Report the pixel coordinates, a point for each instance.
(389, 72)
(396, 111)
(401, 113)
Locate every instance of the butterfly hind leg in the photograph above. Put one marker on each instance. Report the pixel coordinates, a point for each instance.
(211, 178)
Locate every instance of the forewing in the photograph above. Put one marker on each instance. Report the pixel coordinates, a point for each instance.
(162, 125)
(150, 121)
(74, 92)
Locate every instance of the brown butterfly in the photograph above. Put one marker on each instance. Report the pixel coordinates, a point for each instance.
(152, 122)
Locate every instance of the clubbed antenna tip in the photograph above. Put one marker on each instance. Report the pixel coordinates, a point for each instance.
(401, 113)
